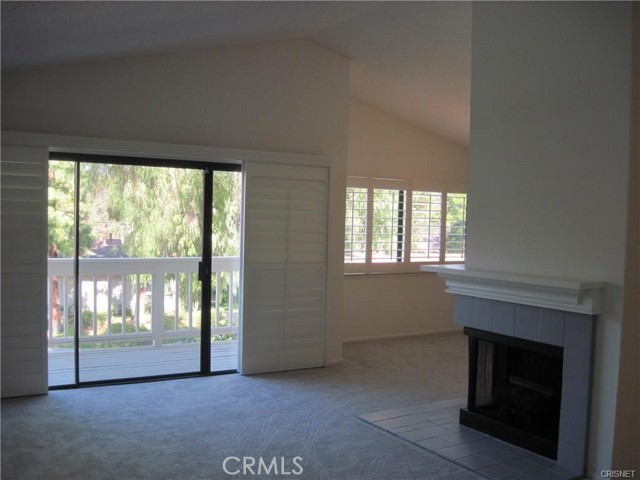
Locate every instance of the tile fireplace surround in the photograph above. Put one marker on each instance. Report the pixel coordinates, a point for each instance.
(552, 311)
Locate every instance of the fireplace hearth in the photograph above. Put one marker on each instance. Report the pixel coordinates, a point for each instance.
(517, 321)
(515, 389)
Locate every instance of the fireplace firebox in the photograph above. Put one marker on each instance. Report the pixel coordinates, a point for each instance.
(515, 390)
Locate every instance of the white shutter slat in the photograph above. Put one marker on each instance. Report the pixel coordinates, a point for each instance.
(24, 181)
(29, 183)
(20, 330)
(29, 245)
(22, 368)
(19, 343)
(268, 286)
(284, 267)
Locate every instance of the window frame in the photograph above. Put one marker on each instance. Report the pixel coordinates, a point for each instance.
(408, 186)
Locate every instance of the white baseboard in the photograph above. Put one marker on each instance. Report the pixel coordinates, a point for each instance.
(402, 335)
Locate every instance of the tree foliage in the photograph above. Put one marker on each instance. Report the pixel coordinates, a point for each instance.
(456, 223)
(61, 212)
(155, 212)
(227, 221)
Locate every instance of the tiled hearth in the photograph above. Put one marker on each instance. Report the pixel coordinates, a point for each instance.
(551, 311)
(434, 427)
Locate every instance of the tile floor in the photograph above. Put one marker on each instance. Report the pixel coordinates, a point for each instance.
(435, 427)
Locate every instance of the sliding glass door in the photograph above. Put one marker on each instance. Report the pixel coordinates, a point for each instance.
(156, 258)
(139, 253)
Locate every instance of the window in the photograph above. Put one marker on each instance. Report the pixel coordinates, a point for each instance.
(355, 237)
(387, 238)
(395, 225)
(456, 224)
(426, 223)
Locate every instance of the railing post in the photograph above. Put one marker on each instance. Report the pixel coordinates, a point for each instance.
(157, 307)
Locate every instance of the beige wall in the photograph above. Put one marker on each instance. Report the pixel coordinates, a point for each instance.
(382, 145)
(392, 305)
(280, 96)
(385, 146)
(287, 96)
(549, 159)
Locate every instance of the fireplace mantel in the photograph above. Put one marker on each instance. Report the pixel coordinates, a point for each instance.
(578, 296)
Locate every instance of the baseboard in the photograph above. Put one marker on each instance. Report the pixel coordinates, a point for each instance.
(392, 336)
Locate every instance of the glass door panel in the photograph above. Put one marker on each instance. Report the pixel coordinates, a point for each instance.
(140, 246)
(225, 271)
(60, 276)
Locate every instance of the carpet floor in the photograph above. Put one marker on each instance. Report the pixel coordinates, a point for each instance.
(185, 429)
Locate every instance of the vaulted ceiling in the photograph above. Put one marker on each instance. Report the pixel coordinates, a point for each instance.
(411, 59)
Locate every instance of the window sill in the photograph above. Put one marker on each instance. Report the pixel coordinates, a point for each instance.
(354, 276)
(384, 274)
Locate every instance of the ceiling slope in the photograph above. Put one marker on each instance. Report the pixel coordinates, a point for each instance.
(411, 59)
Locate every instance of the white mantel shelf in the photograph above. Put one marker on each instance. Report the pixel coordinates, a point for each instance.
(579, 296)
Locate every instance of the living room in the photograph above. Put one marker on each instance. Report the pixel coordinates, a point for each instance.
(550, 170)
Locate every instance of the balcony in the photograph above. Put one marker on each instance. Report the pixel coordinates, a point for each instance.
(139, 317)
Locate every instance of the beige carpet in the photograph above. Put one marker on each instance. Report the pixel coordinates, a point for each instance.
(185, 429)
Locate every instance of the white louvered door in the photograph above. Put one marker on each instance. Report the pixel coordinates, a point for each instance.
(24, 270)
(284, 267)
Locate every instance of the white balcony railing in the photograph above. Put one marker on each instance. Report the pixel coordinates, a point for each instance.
(151, 300)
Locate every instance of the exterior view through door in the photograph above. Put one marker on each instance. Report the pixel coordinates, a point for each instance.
(131, 243)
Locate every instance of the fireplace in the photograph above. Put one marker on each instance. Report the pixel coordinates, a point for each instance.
(531, 353)
(515, 389)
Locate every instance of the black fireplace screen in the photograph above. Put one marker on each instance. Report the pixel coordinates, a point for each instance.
(515, 390)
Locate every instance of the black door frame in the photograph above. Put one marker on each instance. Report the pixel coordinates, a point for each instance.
(204, 270)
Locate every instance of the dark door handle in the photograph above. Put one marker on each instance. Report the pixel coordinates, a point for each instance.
(203, 271)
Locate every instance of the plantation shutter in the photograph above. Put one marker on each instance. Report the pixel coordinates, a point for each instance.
(24, 181)
(284, 267)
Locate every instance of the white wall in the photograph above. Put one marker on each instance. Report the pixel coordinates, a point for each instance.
(382, 145)
(548, 160)
(284, 96)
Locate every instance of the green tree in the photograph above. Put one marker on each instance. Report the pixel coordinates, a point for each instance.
(61, 212)
(356, 225)
(456, 223)
(227, 202)
(156, 212)
(388, 224)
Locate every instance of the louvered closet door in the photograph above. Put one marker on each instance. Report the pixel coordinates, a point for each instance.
(284, 268)
(24, 270)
